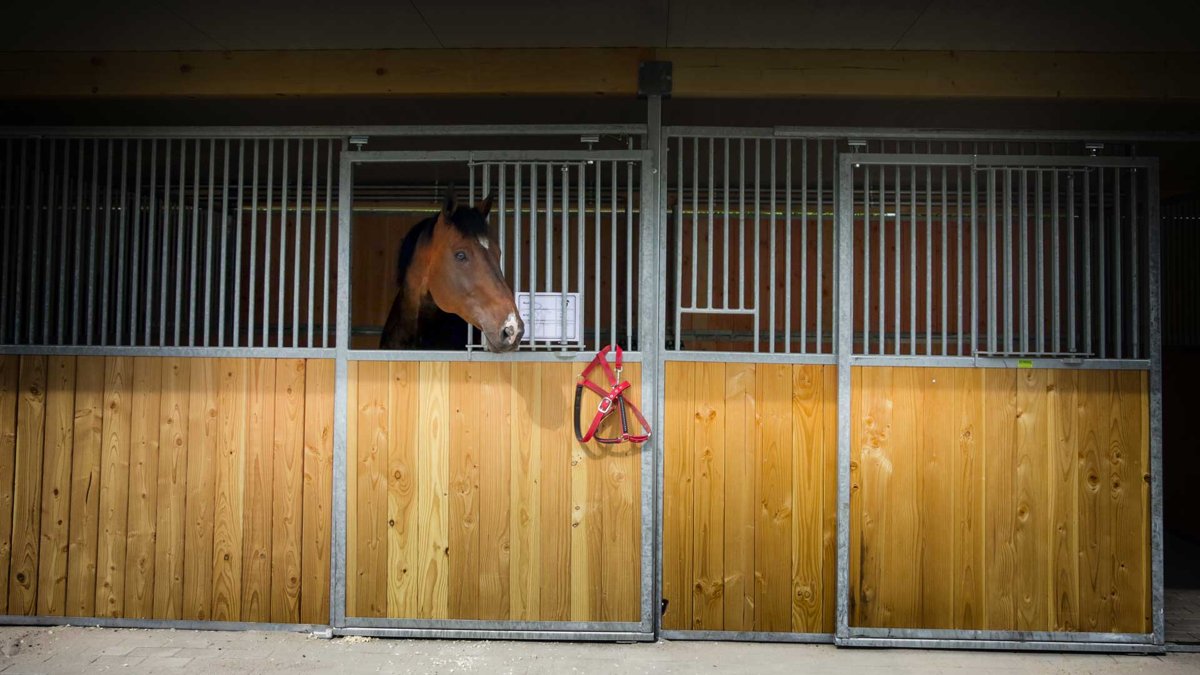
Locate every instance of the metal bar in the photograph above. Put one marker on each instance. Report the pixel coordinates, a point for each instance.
(380, 130)
(1024, 261)
(337, 587)
(165, 252)
(741, 219)
(771, 275)
(580, 261)
(679, 196)
(76, 293)
(224, 256)
(1135, 329)
(18, 299)
(629, 249)
(235, 337)
(105, 255)
(866, 249)
(1008, 361)
(478, 156)
(518, 243)
(193, 291)
(179, 236)
(717, 311)
(170, 624)
(896, 270)
(787, 247)
(283, 234)
(612, 335)
(945, 316)
(820, 252)
(845, 339)
(993, 273)
(1089, 344)
(208, 244)
(1072, 312)
(1118, 296)
(63, 263)
(1061, 637)
(328, 261)
(695, 229)
(1154, 320)
(974, 263)
(296, 245)
(1101, 254)
(501, 634)
(746, 636)
(725, 240)
(139, 350)
(566, 246)
(757, 240)
(1040, 242)
(709, 259)
(1055, 268)
(266, 288)
(533, 253)
(882, 259)
(928, 280)
(134, 278)
(48, 253)
(10, 254)
(596, 260)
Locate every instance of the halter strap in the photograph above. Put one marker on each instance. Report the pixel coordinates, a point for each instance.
(611, 399)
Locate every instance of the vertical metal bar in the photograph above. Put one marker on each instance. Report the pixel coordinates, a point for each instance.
(974, 260)
(709, 259)
(882, 260)
(208, 242)
(105, 255)
(1055, 268)
(1153, 273)
(597, 261)
(221, 292)
(299, 218)
(1101, 254)
(1089, 346)
(10, 255)
(845, 338)
(804, 246)
(266, 275)
(502, 182)
(534, 253)
(283, 235)
(896, 248)
(1118, 295)
(48, 248)
(1024, 223)
(337, 587)
(235, 336)
(193, 291)
(629, 249)
(679, 198)
(928, 281)
(179, 234)
(787, 246)
(912, 259)
(328, 260)
(612, 319)
(993, 298)
(581, 257)
(565, 246)
(252, 273)
(1135, 329)
(945, 317)
(63, 259)
(771, 275)
(866, 249)
(695, 221)
(741, 217)
(725, 240)
(165, 252)
(518, 243)
(76, 292)
(134, 278)
(820, 250)
(1040, 242)
(19, 255)
(757, 241)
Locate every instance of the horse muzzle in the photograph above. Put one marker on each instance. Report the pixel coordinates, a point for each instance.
(508, 337)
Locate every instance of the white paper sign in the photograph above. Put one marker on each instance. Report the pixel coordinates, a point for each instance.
(547, 321)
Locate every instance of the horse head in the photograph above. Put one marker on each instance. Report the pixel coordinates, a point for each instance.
(465, 278)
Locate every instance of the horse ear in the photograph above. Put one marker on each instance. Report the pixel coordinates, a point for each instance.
(449, 204)
(485, 206)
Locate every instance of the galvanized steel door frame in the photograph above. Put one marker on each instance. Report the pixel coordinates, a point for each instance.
(644, 628)
(990, 639)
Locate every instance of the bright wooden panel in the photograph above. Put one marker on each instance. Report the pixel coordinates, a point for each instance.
(678, 459)
(432, 473)
(525, 518)
(85, 484)
(9, 367)
(464, 451)
(496, 417)
(370, 540)
(258, 485)
(555, 532)
(935, 498)
(402, 488)
(56, 485)
(967, 486)
(708, 531)
(143, 488)
(622, 516)
(808, 497)
(27, 485)
(172, 488)
(318, 490)
(114, 486)
(739, 507)
(201, 476)
(229, 499)
(287, 476)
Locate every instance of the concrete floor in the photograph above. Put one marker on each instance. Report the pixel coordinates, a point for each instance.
(91, 650)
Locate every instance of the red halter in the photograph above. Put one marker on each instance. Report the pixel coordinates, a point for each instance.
(609, 398)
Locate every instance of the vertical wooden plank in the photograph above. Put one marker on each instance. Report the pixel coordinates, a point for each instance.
(287, 477)
(739, 495)
(27, 485)
(622, 518)
(85, 486)
(1032, 514)
(403, 489)
(808, 484)
(114, 486)
(1063, 567)
(967, 411)
(875, 448)
(901, 550)
(170, 522)
(496, 418)
(525, 519)
(229, 500)
(678, 449)
(708, 530)
(584, 525)
(1000, 566)
(433, 461)
(258, 485)
(56, 485)
(1128, 475)
(935, 490)
(143, 488)
(352, 414)
(465, 448)
(829, 414)
(201, 476)
(1095, 505)
(773, 529)
(372, 540)
(860, 602)
(9, 366)
(318, 490)
(554, 427)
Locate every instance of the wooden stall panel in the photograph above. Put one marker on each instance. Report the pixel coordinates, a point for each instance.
(493, 511)
(165, 488)
(749, 527)
(1029, 509)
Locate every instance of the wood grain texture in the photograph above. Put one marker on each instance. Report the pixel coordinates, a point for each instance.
(85, 486)
(56, 486)
(1035, 477)
(172, 478)
(433, 473)
(678, 462)
(201, 476)
(143, 488)
(229, 500)
(738, 499)
(9, 367)
(708, 532)
(27, 485)
(496, 417)
(258, 484)
(554, 486)
(525, 519)
(403, 514)
(370, 540)
(287, 476)
(808, 492)
(464, 452)
(318, 491)
(114, 486)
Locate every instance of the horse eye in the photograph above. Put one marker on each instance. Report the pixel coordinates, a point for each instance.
(460, 256)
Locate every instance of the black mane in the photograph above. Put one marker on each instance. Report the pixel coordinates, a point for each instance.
(467, 220)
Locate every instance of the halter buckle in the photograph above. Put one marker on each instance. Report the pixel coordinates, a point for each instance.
(605, 406)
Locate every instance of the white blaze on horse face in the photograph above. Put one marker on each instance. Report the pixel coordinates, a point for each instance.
(483, 241)
(510, 323)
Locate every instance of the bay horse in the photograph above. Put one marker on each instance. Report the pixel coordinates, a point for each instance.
(449, 274)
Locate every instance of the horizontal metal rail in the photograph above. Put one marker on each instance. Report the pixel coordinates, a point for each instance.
(310, 131)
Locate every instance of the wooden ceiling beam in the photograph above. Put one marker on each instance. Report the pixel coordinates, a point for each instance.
(718, 73)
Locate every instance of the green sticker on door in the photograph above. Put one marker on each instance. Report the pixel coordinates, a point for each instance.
(1024, 363)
